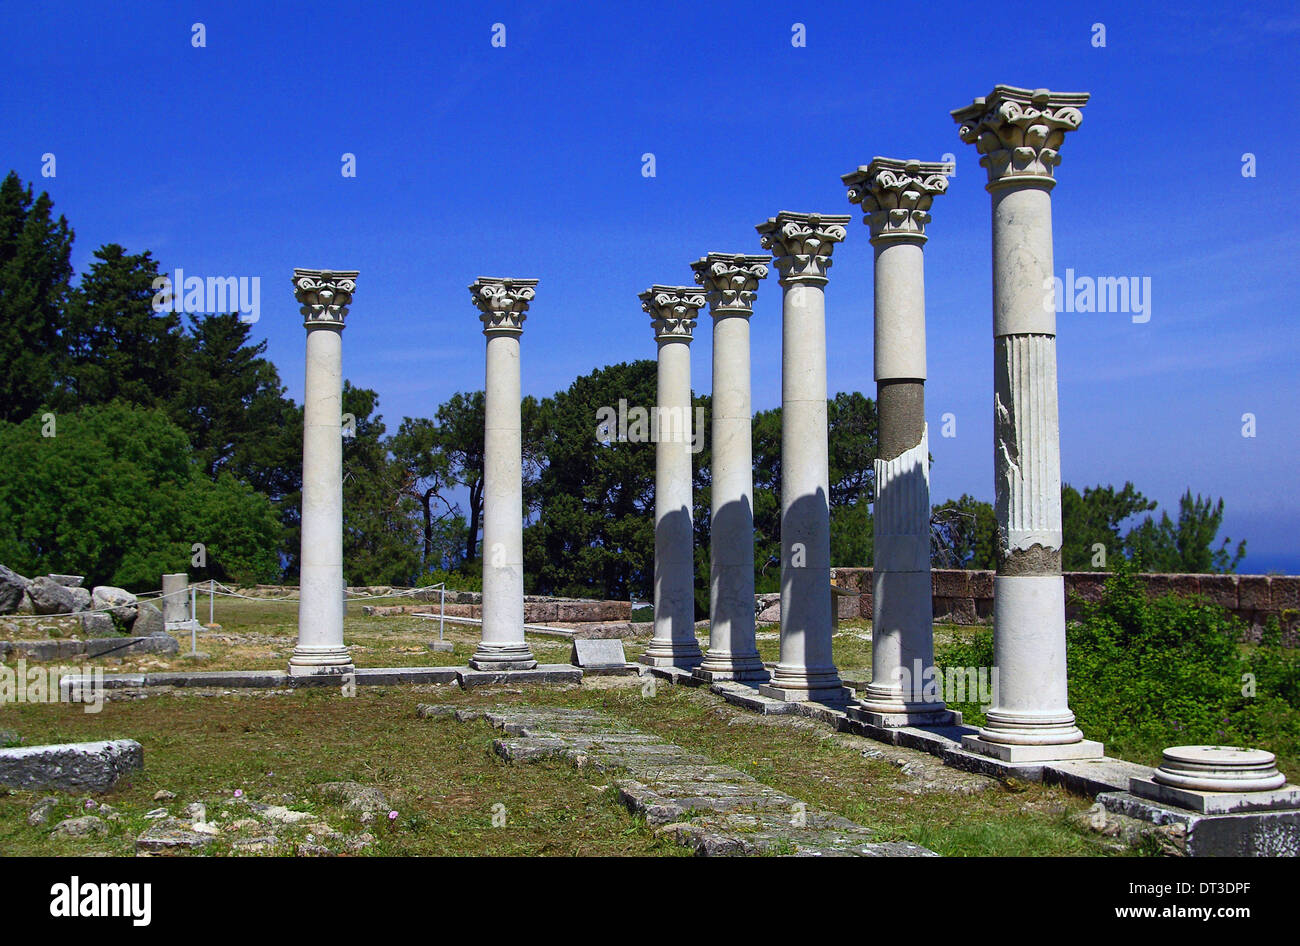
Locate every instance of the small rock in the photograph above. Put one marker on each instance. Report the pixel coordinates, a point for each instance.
(196, 811)
(49, 597)
(243, 824)
(354, 796)
(157, 813)
(259, 845)
(80, 827)
(42, 810)
(205, 827)
(163, 795)
(169, 835)
(355, 843)
(307, 849)
(281, 815)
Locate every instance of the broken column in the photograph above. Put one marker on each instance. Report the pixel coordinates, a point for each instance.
(176, 599)
(730, 282)
(503, 306)
(895, 197)
(802, 245)
(673, 311)
(1018, 133)
(325, 296)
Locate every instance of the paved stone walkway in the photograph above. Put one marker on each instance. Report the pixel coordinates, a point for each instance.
(714, 809)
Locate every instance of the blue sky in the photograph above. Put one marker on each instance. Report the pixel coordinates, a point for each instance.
(526, 160)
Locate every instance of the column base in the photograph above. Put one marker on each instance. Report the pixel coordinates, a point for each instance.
(513, 655)
(891, 719)
(804, 685)
(312, 661)
(748, 669)
(685, 655)
(1006, 752)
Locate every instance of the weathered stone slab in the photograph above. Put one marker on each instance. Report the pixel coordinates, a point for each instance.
(748, 697)
(47, 649)
(542, 674)
(71, 767)
(1094, 776)
(120, 646)
(68, 581)
(96, 624)
(255, 679)
(385, 676)
(597, 653)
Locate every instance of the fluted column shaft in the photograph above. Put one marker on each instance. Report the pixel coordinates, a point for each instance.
(324, 296)
(673, 311)
(503, 304)
(802, 245)
(1018, 132)
(731, 282)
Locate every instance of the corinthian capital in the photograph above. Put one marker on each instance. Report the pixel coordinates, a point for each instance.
(1018, 132)
(324, 295)
(730, 281)
(802, 244)
(895, 195)
(672, 311)
(502, 303)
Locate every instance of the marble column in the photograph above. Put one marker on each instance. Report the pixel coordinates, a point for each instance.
(802, 245)
(730, 283)
(895, 197)
(673, 311)
(503, 306)
(325, 296)
(1018, 133)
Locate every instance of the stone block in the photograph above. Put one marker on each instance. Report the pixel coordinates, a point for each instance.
(1094, 776)
(47, 649)
(981, 584)
(1216, 803)
(68, 581)
(13, 587)
(848, 579)
(955, 611)
(148, 621)
(384, 676)
(542, 674)
(577, 611)
(50, 597)
(96, 624)
(1085, 749)
(866, 601)
(597, 653)
(1285, 592)
(120, 646)
(1220, 590)
(234, 679)
(540, 612)
(441, 647)
(119, 602)
(70, 767)
(1254, 592)
(950, 582)
(1250, 834)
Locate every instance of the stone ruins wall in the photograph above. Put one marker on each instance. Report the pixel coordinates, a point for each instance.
(966, 597)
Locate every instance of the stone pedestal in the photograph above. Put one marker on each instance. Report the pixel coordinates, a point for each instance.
(673, 311)
(503, 306)
(1218, 780)
(802, 245)
(895, 197)
(1018, 133)
(730, 283)
(325, 296)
